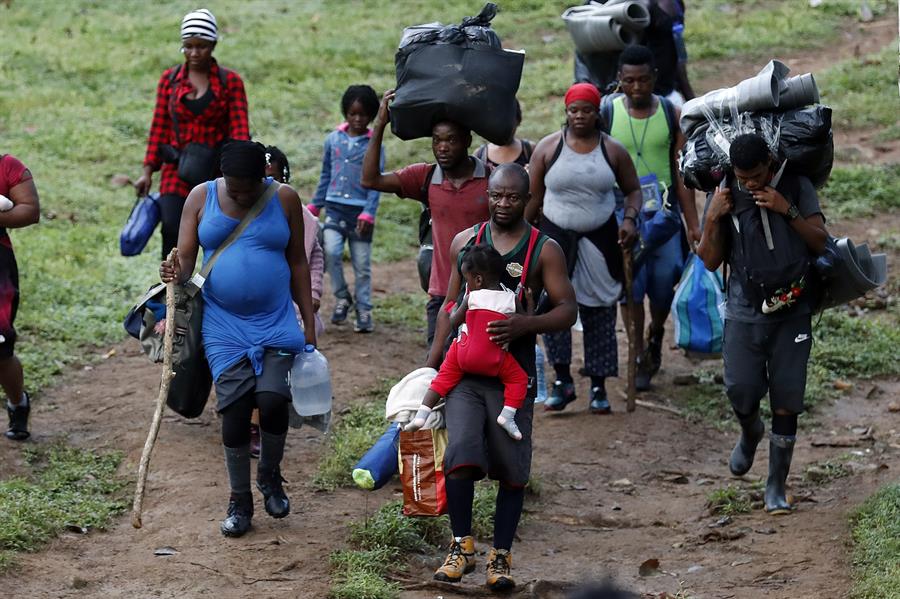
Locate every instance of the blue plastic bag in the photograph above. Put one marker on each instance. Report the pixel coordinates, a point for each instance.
(697, 308)
(379, 464)
(140, 225)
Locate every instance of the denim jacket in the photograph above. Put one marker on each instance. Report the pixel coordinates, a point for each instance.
(341, 173)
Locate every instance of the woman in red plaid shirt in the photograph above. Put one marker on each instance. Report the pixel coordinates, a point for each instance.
(197, 102)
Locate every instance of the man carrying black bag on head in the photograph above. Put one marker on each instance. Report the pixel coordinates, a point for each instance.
(453, 188)
(767, 226)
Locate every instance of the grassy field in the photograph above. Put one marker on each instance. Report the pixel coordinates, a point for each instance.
(80, 80)
(79, 90)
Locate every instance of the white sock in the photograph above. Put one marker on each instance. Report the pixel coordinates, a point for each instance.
(507, 420)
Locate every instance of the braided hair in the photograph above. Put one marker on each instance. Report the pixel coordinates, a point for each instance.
(273, 154)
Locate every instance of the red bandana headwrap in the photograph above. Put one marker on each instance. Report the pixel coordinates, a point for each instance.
(583, 91)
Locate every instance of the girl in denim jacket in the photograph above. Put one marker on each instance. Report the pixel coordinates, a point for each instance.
(349, 207)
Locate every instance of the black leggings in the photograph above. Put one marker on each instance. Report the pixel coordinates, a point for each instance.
(170, 208)
(273, 417)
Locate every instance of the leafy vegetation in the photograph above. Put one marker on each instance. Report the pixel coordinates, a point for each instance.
(848, 347)
(855, 191)
(876, 551)
(69, 488)
(728, 501)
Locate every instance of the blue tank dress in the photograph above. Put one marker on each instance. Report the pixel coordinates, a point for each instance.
(247, 304)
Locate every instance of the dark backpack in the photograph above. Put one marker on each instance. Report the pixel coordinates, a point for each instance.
(426, 249)
(770, 258)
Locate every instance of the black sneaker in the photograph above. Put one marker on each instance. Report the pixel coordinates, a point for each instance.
(364, 322)
(562, 395)
(275, 500)
(18, 421)
(341, 308)
(240, 513)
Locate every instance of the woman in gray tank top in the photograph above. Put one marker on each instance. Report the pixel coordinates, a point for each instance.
(573, 176)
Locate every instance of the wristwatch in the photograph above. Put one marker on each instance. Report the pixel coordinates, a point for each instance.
(792, 212)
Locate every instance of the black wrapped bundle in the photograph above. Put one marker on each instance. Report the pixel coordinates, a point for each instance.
(458, 73)
(806, 142)
(804, 139)
(701, 167)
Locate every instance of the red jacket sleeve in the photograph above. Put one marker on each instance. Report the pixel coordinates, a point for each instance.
(161, 125)
(238, 121)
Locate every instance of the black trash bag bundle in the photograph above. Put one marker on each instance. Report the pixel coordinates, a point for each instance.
(473, 30)
(804, 139)
(458, 73)
(807, 143)
(701, 168)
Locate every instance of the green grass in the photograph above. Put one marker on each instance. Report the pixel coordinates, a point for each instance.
(728, 501)
(352, 435)
(69, 487)
(404, 310)
(359, 574)
(862, 190)
(758, 28)
(876, 552)
(863, 92)
(848, 347)
(389, 528)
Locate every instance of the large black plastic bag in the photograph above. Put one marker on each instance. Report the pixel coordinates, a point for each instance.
(807, 143)
(458, 73)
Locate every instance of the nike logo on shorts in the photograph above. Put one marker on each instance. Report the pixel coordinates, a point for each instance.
(801, 338)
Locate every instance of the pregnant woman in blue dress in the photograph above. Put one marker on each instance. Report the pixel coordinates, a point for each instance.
(250, 331)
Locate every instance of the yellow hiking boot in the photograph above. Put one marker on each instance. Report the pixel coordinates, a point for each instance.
(460, 560)
(499, 562)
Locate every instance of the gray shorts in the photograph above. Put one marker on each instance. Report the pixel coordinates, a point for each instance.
(239, 379)
(475, 438)
(767, 357)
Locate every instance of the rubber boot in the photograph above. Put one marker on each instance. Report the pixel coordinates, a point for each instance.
(752, 432)
(654, 349)
(781, 450)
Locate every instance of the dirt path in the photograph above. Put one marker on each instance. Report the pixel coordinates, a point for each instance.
(587, 523)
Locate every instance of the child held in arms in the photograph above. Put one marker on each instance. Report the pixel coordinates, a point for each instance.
(473, 351)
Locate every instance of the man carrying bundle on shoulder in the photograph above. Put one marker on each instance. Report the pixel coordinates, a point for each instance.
(767, 225)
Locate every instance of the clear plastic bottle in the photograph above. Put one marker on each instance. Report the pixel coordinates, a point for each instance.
(311, 383)
(539, 380)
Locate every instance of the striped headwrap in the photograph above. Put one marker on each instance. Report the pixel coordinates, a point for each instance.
(199, 23)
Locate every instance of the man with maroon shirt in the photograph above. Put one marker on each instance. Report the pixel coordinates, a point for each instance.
(456, 193)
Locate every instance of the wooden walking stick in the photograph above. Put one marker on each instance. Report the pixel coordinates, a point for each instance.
(166, 379)
(631, 396)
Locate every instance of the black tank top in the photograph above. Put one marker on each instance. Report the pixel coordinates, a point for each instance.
(522, 348)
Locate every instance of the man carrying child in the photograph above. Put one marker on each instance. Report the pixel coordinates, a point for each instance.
(477, 446)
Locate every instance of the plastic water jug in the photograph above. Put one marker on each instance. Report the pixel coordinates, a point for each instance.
(311, 383)
(539, 378)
